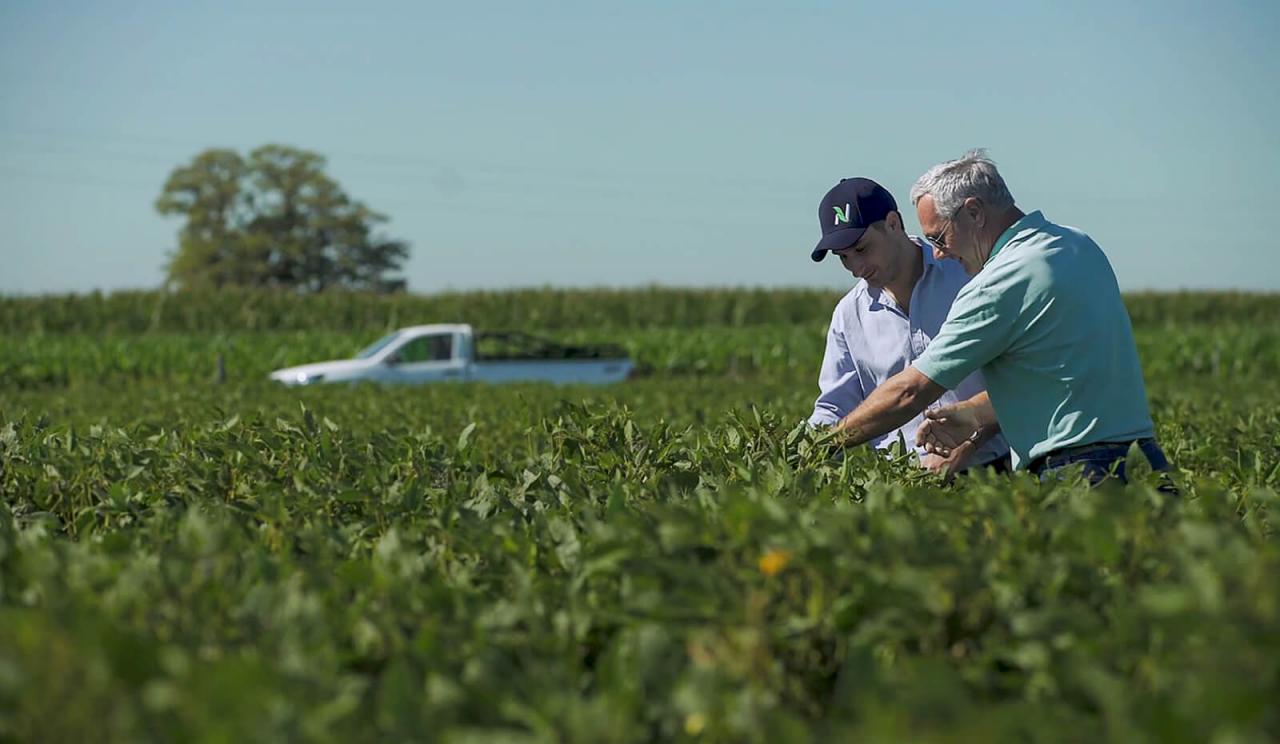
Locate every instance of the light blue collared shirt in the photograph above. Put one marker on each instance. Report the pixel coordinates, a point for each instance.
(871, 339)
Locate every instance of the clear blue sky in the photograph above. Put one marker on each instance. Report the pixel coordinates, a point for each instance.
(683, 143)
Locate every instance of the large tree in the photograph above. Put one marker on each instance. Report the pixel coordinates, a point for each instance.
(274, 220)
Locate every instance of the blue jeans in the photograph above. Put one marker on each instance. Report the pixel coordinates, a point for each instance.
(1101, 461)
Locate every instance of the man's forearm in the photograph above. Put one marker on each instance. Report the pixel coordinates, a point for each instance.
(980, 406)
(971, 421)
(984, 417)
(900, 399)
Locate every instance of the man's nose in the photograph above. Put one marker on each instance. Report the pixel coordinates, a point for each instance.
(938, 254)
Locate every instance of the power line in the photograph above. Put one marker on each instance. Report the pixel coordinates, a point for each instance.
(668, 177)
(488, 208)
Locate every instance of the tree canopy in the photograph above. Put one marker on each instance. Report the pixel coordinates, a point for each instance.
(274, 219)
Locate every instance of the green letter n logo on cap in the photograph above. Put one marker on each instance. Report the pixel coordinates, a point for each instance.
(842, 215)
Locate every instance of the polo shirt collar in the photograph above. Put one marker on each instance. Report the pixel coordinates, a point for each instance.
(927, 251)
(1032, 221)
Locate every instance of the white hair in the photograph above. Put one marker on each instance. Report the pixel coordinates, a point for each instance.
(952, 182)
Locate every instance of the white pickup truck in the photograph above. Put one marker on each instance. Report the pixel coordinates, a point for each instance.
(439, 353)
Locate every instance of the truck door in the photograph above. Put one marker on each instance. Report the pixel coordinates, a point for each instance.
(425, 358)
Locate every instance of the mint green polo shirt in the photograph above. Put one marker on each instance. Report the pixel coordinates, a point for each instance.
(1045, 323)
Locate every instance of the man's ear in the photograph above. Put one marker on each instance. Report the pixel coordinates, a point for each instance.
(893, 221)
(974, 206)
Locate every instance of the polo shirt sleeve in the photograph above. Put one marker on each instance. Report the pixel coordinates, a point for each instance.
(981, 325)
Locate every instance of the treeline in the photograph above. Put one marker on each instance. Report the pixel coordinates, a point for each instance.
(527, 309)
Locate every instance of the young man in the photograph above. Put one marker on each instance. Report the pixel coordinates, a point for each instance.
(885, 322)
(1044, 321)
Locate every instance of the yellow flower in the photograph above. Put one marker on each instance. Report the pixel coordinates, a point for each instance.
(774, 561)
(694, 723)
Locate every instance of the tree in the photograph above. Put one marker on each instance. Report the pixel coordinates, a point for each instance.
(274, 220)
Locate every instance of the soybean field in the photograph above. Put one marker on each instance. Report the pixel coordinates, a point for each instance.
(189, 552)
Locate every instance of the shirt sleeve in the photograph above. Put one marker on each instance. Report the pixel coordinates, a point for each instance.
(840, 385)
(978, 329)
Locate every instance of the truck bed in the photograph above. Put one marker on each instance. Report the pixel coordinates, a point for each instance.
(559, 371)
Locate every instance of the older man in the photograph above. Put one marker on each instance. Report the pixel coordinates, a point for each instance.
(889, 317)
(1044, 321)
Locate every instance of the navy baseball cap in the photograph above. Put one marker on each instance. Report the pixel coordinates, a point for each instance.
(848, 209)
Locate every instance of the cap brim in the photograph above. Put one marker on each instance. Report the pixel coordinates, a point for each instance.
(836, 241)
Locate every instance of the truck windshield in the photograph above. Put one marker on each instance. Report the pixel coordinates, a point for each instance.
(377, 346)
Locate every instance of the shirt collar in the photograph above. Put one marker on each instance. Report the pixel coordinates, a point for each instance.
(927, 250)
(874, 293)
(1028, 222)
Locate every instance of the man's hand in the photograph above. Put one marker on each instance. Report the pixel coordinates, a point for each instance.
(955, 461)
(950, 427)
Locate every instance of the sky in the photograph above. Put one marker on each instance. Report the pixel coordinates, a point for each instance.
(621, 144)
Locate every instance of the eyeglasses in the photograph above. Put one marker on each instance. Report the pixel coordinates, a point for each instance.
(940, 240)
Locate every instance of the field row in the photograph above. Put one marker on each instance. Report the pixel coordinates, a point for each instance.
(1234, 438)
(532, 310)
(1235, 352)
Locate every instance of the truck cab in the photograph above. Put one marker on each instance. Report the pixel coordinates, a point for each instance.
(433, 353)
